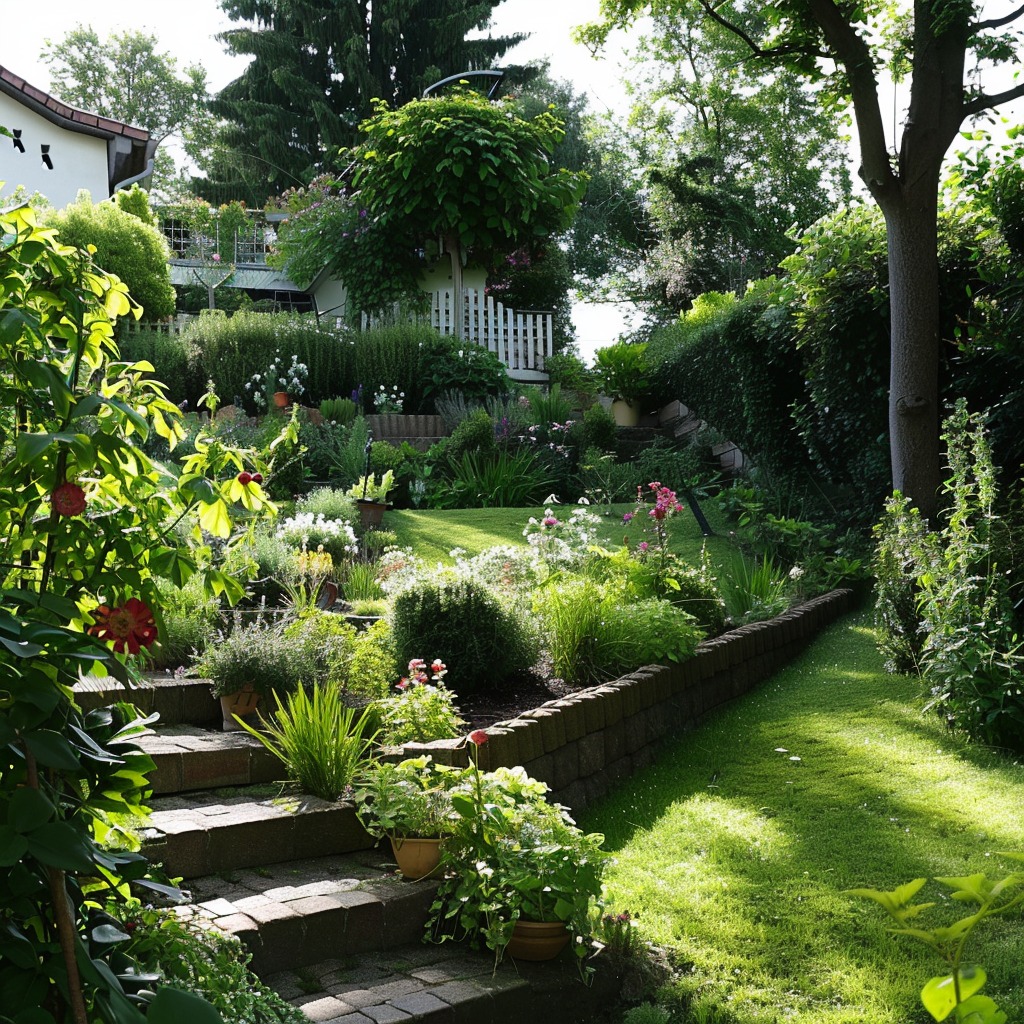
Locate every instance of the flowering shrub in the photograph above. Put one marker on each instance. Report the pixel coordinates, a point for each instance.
(278, 376)
(388, 399)
(562, 543)
(310, 530)
(84, 535)
(422, 710)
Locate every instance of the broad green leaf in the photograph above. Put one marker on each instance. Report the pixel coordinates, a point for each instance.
(13, 846)
(16, 947)
(51, 749)
(215, 519)
(60, 845)
(28, 809)
(172, 1006)
(939, 994)
(897, 902)
(979, 1010)
(968, 887)
(31, 446)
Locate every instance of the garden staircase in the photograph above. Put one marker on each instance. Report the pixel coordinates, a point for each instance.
(330, 925)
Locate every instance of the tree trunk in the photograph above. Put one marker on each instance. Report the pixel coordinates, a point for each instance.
(454, 249)
(911, 226)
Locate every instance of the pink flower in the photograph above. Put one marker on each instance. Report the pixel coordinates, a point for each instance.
(549, 521)
(643, 545)
(628, 517)
(478, 737)
(437, 666)
(402, 684)
(216, 257)
(416, 665)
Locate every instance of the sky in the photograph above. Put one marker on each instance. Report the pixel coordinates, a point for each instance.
(186, 30)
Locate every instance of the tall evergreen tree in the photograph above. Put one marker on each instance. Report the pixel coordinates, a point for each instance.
(317, 64)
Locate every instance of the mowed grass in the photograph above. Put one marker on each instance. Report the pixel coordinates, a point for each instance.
(434, 533)
(735, 848)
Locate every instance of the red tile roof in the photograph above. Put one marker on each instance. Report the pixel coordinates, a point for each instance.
(45, 104)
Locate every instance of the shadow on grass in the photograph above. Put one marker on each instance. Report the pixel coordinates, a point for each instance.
(738, 845)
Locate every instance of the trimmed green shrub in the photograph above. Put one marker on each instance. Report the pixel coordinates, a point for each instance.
(599, 429)
(474, 434)
(394, 356)
(482, 642)
(125, 245)
(372, 670)
(229, 350)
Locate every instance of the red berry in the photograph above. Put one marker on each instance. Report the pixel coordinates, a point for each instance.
(244, 478)
(257, 478)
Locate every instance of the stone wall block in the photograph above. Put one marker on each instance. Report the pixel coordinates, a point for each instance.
(567, 766)
(542, 769)
(611, 698)
(591, 751)
(593, 706)
(529, 741)
(573, 714)
(614, 742)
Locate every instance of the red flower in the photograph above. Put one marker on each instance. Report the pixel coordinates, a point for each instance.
(402, 683)
(131, 627)
(68, 500)
(478, 737)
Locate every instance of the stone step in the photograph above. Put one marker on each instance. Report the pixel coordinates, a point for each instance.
(188, 758)
(448, 984)
(295, 914)
(178, 700)
(208, 832)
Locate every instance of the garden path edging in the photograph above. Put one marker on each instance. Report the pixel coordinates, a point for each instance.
(584, 744)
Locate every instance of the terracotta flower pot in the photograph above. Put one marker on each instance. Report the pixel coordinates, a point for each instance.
(281, 399)
(537, 940)
(371, 513)
(417, 858)
(243, 703)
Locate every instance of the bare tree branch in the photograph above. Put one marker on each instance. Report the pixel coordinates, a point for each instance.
(755, 49)
(1007, 19)
(984, 102)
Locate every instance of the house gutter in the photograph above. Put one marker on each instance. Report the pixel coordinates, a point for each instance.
(128, 182)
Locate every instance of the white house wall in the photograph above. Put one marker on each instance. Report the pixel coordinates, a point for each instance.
(79, 161)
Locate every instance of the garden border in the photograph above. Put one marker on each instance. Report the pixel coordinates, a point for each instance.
(586, 743)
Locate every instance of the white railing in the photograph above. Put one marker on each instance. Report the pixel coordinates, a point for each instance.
(522, 340)
(248, 246)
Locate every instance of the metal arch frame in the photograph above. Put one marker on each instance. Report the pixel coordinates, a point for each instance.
(496, 74)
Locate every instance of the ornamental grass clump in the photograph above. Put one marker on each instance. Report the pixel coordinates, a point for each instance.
(319, 740)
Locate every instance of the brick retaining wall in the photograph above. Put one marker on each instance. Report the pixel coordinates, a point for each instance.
(583, 744)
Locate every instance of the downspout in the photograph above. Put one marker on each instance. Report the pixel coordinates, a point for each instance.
(128, 182)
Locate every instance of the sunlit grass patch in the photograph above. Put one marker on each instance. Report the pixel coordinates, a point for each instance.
(736, 848)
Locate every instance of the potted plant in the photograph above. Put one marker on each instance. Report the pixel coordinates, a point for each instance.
(372, 497)
(622, 368)
(529, 879)
(248, 664)
(410, 803)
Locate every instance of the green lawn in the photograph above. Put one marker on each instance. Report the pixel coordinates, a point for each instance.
(434, 533)
(735, 848)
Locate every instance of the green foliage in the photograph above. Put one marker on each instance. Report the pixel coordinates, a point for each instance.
(516, 856)
(326, 643)
(958, 991)
(135, 201)
(169, 358)
(754, 590)
(482, 642)
(568, 370)
(410, 799)
(329, 502)
(320, 741)
(229, 350)
(256, 654)
(126, 246)
(420, 712)
(592, 635)
(86, 523)
(623, 371)
(373, 663)
(900, 544)
(598, 429)
(193, 956)
(360, 582)
(348, 456)
(510, 478)
(550, 406)
(396, 356)
(338, 410)
(971, 657)
(368, 488)
(190, 621)
(474, 434)
(453, 365)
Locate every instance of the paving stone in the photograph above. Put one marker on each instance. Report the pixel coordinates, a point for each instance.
(324, 1008)
(385, 1014)
(419, 1004)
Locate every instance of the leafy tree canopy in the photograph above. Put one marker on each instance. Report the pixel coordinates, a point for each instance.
(457, 168)
(318, 64)
(125, 77)
(844, 46)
